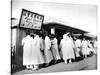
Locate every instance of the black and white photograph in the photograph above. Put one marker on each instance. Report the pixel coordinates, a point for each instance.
(48, 37)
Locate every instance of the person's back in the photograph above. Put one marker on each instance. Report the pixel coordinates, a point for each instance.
(42, 44)
(78, 43)
(67, 48)
(47, 50)
(95, 44)
(47, 42)
(84, 48)
(54, 48)
(84, 43)
(63, 43)
(26, 42)
(37, 41)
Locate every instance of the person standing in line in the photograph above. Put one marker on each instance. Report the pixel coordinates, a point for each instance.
(54, 48)
(78, 45)
(95, 46)
(72, 53)
(27, 51)
(66, 46)
(37, 57)
(42, 48)
(84, 47)
(89, 47)
(47, 50)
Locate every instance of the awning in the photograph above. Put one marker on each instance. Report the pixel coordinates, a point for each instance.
(64, 27)
(90, 35)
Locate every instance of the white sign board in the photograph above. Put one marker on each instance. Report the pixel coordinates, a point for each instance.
(31, 20)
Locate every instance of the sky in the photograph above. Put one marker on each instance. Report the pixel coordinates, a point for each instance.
(75, 15)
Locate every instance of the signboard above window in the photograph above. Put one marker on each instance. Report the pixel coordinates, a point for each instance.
(31, 20)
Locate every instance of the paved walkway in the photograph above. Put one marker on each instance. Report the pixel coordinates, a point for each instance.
(86, 64)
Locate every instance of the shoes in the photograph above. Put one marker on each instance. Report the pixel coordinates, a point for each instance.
(29, 69)
(70, 61)
(34, 69)
(65, 62)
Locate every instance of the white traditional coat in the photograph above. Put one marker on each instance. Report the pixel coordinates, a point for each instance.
(27, 50)
(78, 45)
(67, 45)
(37, 57)
(95, 46)
(84, 47)
(42, 47)
(47, 51)
(54, 48)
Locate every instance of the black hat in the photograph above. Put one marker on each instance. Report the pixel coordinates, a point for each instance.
(32, 34)
(52, 36)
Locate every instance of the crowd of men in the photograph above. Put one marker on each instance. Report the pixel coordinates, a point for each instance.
(42, 50)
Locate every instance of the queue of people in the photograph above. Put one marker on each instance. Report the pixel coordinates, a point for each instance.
(42, 50)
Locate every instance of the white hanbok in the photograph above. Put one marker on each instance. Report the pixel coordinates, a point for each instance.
(84, 47)
(95, 47)
(78, 45)
(54, 48)
(47, 51)
(27, 50)
(67, 45)
(37, 57)
(42, 47)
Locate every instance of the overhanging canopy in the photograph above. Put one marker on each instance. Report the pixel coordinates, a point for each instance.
(64, 27)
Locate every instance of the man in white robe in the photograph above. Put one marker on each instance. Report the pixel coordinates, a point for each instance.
(37, 57)
(66, 46)
(54, 48)
(84, 47)
(27, 51)
(95, 45)
(42, 50)
(78, 45)
(89, 47)
(47, 51)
